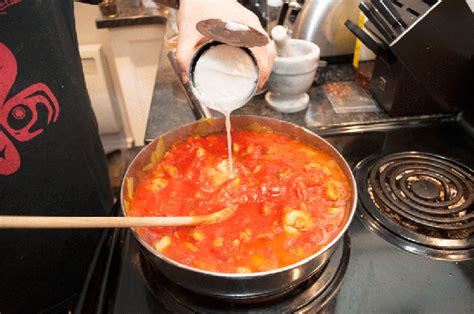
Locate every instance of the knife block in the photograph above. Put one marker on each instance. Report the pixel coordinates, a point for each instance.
(433, 65)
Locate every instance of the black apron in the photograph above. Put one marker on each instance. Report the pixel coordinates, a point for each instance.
(51, 158)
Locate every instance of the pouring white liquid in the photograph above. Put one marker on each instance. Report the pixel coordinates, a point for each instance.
(225, 77)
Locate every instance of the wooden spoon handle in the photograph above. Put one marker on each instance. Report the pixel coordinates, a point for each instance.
(44, 222)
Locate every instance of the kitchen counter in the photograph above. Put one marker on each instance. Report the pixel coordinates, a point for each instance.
(169, 108)
(129, 14)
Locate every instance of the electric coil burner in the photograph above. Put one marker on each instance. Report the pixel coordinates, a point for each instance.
(315, 294)
(130, 284)
(421, 202)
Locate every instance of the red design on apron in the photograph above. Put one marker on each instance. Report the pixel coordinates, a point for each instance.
(4, 4)
(19, 113)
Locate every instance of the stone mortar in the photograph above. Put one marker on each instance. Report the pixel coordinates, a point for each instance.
(292, 76)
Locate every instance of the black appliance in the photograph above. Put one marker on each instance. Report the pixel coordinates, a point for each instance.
(410, 247)
(427, 66)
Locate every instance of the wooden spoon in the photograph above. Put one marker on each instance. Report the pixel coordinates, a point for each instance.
(46, 222)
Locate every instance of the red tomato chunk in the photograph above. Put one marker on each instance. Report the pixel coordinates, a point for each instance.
(291, 201)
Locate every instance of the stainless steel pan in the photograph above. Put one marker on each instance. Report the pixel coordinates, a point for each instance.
(238, 286)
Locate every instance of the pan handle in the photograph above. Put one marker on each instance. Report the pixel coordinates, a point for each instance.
(199, 110)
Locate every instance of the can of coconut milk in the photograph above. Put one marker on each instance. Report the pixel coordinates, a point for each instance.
(224, 73)
(223, 77)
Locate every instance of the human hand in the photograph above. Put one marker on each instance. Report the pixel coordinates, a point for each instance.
(193, 11)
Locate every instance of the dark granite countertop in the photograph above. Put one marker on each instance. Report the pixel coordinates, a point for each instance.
(129, 13)
(169, 108)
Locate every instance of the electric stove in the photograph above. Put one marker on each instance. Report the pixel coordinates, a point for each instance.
(410, 247)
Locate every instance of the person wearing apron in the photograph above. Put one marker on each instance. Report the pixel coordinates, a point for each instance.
(51, 158)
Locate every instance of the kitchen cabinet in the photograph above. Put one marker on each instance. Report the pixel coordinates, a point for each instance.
(135, 52)
(126, 52)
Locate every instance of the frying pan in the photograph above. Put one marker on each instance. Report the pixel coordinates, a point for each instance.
(243, 287)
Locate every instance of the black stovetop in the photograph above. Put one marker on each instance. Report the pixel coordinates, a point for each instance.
(380, 277)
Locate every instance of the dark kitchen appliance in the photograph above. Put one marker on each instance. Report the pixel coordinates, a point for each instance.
(421, 201)
(390, 269)
(433, 65)
(127, 283)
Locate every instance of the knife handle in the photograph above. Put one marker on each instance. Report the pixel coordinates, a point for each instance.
(283, 12)
(388, 11)
(365, 38)
(377, 21)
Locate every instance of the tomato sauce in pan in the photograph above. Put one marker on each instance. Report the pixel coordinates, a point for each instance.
(290, 201)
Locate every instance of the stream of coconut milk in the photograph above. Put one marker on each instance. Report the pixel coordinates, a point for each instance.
(225, 78)
(229, 144)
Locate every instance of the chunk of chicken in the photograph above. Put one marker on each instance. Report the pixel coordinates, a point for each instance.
(162, 244)
(335, 211)
(296, 220)
(198, 235)
(284, 174)
(218, 242)
(219, 174)
(333, 192)
(157, 184)
(243, 270)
